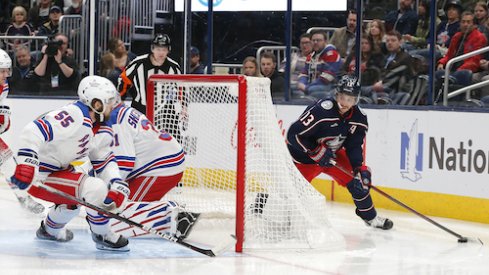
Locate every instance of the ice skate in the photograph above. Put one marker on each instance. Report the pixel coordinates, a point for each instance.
(111, 242)
(64, 235)
(380, 222)
(185, 223)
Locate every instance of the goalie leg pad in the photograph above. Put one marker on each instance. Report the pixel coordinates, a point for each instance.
(152, 188)
(158, 215)
(362, 199)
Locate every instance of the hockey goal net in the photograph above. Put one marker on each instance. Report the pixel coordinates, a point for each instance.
(237, 162)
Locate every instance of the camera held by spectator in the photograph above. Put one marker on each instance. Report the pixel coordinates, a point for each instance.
(53, 47)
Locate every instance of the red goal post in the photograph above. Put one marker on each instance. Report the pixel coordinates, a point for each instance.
(237, 162)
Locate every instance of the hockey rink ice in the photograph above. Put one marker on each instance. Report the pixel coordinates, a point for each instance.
(414, 246)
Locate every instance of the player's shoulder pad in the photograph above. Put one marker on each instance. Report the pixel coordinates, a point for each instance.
(326, 104)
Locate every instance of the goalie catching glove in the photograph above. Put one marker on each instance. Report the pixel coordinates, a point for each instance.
(25, 171)
(116, 197)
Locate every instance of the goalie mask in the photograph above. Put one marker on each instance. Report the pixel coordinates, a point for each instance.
(5, 62)
(93, 88)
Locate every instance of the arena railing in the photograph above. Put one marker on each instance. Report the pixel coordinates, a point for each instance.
(72, 26)
(467, 89)
(278, 51)
(38, 41)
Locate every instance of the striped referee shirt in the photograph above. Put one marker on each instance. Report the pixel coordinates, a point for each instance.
(133, 79)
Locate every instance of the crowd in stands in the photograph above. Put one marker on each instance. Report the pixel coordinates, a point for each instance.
(394, 53)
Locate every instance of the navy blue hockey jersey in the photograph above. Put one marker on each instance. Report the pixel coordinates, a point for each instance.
(321, 126)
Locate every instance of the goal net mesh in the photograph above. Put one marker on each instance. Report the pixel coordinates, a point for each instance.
(281, 209)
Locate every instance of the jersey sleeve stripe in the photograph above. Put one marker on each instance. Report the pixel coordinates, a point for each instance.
(99, 166)
(87, 122)
(122, 114)
(45, 128)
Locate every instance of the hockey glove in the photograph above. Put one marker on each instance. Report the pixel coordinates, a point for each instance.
(364, 175)
(117, 197)
(4, 118)
(323, 156)
(24, 174)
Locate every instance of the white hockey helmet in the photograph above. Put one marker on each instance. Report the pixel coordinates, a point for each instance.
(96, 87)
(5, 61)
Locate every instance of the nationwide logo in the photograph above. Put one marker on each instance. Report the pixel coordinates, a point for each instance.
(411, 162)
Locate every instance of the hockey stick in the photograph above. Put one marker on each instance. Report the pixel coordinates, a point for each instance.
(24, 199)
(461, 239)
(208, 252)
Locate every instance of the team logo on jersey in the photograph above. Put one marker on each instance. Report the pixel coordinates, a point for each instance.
(327, 104)
(412, 153)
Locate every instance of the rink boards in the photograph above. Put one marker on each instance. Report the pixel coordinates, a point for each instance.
(435, 161)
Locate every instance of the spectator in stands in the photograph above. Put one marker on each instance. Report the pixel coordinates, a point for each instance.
(372, 62)
(298, 63)
(19, 27)
(396, 71)
(250, 67)
(418, 41)
(23, 80)
(468, 39)
(51, 27)
(404, 20)
(121, 57)
(321, 69)
(39, 13)
(58, 73)
(107, 66)
(446, 30)
(74, 8)
(481, 17)
(376, 31)
(268, 67)
(344, 38)
(195, 66)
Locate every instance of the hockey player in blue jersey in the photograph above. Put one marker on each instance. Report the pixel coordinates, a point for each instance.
(334, 130)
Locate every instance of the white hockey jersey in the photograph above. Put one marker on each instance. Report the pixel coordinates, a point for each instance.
(141, 149)
(65, 135)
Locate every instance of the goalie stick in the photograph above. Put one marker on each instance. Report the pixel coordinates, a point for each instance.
(24, 199)
(208, 252)
(461, 239)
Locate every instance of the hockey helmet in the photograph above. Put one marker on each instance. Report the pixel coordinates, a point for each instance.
(5, 61)
(453, 3)
(161, 40)
(97, 88)
(348, 84)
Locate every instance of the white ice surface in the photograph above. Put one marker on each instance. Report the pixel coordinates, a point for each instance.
(414, 246)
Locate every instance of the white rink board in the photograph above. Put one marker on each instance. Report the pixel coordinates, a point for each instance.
(384, 144)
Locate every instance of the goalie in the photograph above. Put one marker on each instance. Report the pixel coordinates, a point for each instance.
(334, 130)
(152, 162)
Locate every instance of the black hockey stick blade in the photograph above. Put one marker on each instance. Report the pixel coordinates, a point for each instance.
(207, 252)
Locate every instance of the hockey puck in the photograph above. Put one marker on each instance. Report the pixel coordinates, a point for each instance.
(462, 240)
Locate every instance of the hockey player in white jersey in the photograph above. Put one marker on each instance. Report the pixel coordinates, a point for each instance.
(152, 162)
(48, 145)
(5, 71)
